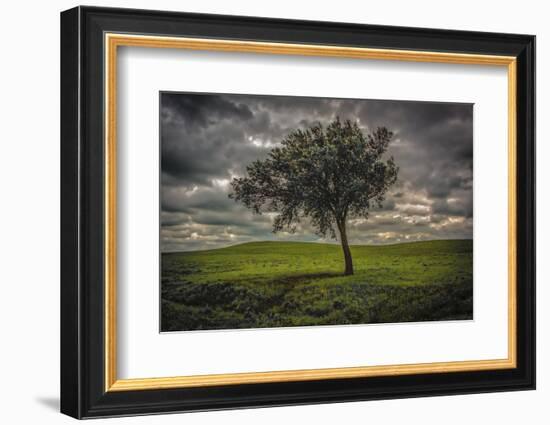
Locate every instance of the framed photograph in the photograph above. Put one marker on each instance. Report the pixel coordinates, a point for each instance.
(261, 212)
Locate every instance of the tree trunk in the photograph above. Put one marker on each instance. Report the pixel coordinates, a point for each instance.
(345, 248)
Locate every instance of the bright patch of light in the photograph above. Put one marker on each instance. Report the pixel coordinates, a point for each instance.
(191, 191)
(266, 144)
(222, 183)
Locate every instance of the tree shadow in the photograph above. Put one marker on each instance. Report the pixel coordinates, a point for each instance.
(306, 277)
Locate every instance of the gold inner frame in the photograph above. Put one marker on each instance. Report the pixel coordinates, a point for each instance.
(113, 41)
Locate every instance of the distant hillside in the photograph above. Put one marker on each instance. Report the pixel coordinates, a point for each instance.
(447, 245)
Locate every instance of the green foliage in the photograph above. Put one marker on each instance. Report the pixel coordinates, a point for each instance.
(276, 284)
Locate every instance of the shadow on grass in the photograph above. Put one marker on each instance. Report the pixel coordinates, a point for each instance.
(305, 278)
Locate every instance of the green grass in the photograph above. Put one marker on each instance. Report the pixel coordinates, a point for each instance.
(275, 284)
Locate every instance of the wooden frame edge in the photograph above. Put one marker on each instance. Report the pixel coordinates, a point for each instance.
(512, 212)
(306, 375)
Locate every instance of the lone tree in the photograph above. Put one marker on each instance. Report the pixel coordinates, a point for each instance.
(327, 174)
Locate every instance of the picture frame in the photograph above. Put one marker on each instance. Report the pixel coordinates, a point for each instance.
(90, 41)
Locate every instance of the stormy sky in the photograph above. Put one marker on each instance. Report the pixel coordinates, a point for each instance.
(208, 139)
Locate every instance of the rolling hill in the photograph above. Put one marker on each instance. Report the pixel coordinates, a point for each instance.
(279, 284)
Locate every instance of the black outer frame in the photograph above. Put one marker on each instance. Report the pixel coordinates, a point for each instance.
(82, 217)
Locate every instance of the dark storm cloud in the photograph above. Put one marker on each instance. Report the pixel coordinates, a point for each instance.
(200, 110)
(206, 140)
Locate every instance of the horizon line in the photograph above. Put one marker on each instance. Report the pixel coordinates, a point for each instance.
(318, 243)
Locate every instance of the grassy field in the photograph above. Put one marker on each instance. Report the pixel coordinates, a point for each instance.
(274, 284)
